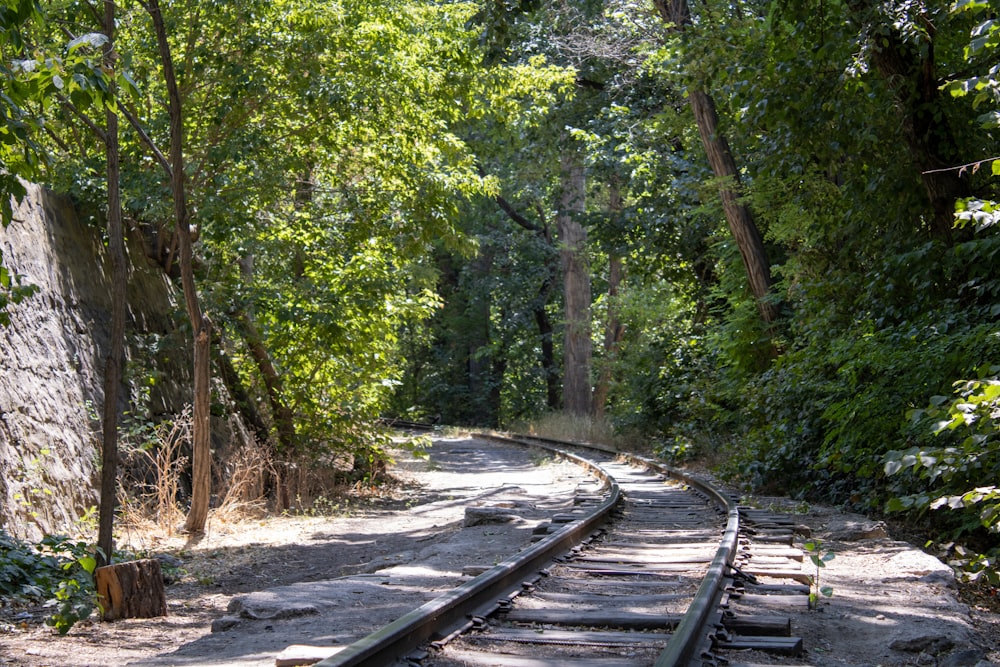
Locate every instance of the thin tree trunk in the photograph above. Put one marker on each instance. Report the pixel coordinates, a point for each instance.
(479, 367)
(284, 419)
(281, 413)
(577, 391)
(542, 320)
(498, 370)
(113, 367)
(613, 329)
(234, 385)
(201, 464)
(548, 360)
(613, 334)
(739, 217)
(677, 14)
(553, 388)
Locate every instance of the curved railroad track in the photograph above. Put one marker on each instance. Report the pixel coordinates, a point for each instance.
(652, 567)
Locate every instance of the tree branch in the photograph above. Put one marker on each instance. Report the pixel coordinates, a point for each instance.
(962, 167)
(101, 134)
(509, 210)
(134, 122)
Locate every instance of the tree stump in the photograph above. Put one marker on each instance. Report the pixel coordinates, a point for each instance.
(131, 590)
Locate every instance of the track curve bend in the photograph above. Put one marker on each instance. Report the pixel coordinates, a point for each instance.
(634, 575)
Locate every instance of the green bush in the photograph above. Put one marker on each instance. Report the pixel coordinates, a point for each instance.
(966, 452)
(56, 571)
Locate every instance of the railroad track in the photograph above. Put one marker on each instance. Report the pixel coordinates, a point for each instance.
(650, 568)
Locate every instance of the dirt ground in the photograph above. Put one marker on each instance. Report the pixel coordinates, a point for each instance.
(892, 604)
(247, 591)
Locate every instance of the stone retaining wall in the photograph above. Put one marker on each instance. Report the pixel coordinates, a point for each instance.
(52, 357)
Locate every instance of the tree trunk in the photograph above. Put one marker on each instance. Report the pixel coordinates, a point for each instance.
(910, 72)
(553, 389)
(201, 446)
(748, 239)
(498, 371)
(281, 413)
(234, 385)
(548, 360)
(741, 222)
(201, 485)
(613, 328)
(613, 333)
(479, 360)
(113, 367)
(131, 590)
(577, 392)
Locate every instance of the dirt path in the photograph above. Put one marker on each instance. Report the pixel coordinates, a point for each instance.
(375, 560)
(328, 580)
(891, 603)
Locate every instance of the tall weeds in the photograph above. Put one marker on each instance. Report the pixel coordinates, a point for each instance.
(150, 479)
(152, 483)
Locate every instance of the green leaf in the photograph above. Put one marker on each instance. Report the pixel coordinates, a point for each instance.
(88, 563)
(827, 591)
(895, 505)
(970, 5)
(92, 39)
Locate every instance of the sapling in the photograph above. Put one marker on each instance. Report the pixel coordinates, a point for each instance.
(819, 559)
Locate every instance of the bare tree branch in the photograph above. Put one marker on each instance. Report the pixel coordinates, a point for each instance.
(137, 126)
(101, 134)
(510, 210)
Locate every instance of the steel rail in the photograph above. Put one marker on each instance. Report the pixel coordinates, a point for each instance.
(451, 611)
(692, 633)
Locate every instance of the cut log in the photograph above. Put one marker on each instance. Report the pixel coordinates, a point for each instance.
(131, 590)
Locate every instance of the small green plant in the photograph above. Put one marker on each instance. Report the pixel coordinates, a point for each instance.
(323, 506)
(35, 493)
(539, 459)
(819, 558)
(417, 446)
(678, 450)
(204, 579)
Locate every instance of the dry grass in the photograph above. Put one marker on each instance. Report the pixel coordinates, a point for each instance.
(245, 493)
(150, 480)
(150, 486)
(561, 426)
(250, 486)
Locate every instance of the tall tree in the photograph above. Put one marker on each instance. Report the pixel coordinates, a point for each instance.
(573, 253)
(903, 46)
(116, 351)
(542, 230)
(201, 477)
(96, 77)
(677, 15)
(613, 326)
